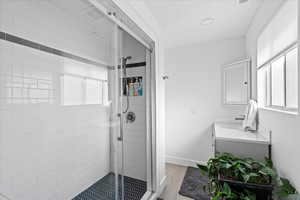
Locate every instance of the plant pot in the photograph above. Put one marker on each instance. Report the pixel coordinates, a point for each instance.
(291, 197)
(262, 191)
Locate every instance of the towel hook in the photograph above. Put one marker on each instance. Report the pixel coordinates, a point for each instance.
(165, 77)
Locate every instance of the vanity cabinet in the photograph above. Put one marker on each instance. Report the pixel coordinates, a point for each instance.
(229, 137)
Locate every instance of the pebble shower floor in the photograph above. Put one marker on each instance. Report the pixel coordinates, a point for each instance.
(104, 189)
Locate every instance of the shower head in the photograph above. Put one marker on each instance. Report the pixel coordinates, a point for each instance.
(127, 58)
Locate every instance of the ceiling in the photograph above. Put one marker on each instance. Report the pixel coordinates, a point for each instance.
(180, 21)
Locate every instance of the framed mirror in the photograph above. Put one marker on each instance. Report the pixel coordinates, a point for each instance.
(236, 81)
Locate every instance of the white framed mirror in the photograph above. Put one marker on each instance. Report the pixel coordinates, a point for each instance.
(236, 82)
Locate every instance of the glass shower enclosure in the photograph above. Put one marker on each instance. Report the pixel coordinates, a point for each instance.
(64, 117)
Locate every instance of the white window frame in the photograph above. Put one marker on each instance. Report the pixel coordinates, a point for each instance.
(268, 64)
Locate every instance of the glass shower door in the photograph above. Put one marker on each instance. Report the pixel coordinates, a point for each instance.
(58, 123)
(64, 126)
(132, 141)
(117, 117)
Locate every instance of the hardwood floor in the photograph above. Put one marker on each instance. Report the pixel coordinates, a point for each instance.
(175, 175)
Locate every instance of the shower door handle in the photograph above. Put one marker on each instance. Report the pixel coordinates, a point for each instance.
(120, 138)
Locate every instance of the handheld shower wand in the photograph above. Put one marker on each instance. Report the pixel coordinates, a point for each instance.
(124, 63)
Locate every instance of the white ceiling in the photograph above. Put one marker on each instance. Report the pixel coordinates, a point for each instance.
(180, 20)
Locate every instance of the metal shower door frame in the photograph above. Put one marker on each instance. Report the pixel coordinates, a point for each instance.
(109, 11)
(149, 90)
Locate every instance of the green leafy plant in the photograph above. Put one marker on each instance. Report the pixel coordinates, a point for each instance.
(233, 168)
(226, 166)
(285, 188)
(226, 193)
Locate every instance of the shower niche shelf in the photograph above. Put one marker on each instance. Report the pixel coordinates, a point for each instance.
(133, 86)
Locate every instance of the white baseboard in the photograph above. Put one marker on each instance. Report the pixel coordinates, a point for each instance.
(162, 186)
(183, 161)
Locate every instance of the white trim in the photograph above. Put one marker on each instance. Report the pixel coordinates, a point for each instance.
(147, 195)
(280, 110)
(237, 62)
(285, 51)
(183, 162)
(149, 127)
(154, 137)
(162, 186)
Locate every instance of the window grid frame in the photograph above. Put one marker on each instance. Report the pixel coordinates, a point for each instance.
(268, 65)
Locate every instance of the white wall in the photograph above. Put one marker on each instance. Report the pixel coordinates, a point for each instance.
(285, 128)
(135, 133)
(48, 151)
(194, 97)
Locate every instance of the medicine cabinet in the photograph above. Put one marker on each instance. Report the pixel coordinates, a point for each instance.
(237, 83)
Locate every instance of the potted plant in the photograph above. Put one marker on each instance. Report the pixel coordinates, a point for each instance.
(245, 177)
(225, 192)
(285, 190)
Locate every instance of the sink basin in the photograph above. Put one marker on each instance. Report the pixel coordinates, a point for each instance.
(230, 125)
(233, 131)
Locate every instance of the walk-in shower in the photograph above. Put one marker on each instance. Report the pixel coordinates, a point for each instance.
(71, 82)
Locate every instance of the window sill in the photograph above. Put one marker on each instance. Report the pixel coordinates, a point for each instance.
(85, 105)
(280, 110)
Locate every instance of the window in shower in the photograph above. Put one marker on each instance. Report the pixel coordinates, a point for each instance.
(78, 90)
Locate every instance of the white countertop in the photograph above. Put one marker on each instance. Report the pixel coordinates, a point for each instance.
(233, 131)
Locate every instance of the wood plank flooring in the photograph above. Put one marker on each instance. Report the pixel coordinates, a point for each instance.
(175, 175)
